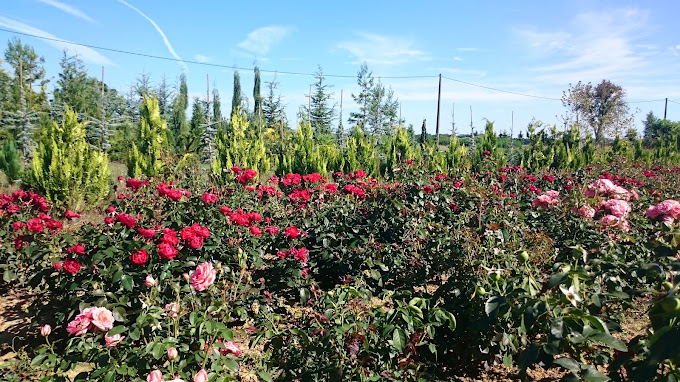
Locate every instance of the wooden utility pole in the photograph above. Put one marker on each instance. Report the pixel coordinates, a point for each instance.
(665, 108)
(207, 98)
(439, 100)
(453, 120)
(472, 129)
(512, 129)
(309, 105)
(379, 114)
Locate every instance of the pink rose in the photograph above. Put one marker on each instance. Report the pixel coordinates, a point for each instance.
(669, 207)
(112, 341)
(201, 376)
(155, 376)
(173, 308)
(149, 281)
(172, 353)
(616, 207)
(232, 348)
(653, 212)
(553, 193)
(78, 326)
(102, 318)
(587, 212)
(45, 330)
(203, 276)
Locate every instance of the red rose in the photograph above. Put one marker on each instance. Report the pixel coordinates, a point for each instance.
(71, 266)
(170, 236)
(209, 197)
(35, 225)
(292, 232)
(225, 210)
(140, 257)
(71, 215)
(126, 220)
(18, 225)
(255, 230)
(56, 266)
(272, 230)
(166, 251)
(54, 225)
(200, 231)
(196, 242)
(77, 249)
(111, 209)
(148, 233)
(108, 220)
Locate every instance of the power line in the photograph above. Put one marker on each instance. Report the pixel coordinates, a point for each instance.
(670, 100)
(502, 91)
(195, 62)
(284, 72)
(651, 100)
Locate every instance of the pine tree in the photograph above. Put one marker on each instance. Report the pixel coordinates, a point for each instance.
(65, 169)
(363, 99)
(322, 111)
(196, 126)
(164, 95)
(29, 73)
(236, 98)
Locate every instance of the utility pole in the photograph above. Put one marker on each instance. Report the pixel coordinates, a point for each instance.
(472, 129)
(512, 128)
(439, 100)
(665, 108)
(207, 98)
(453, 121)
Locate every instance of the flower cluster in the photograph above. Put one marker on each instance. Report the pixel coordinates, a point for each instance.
(546, 200)
(667, 211)
(194, 235)
(91, 319)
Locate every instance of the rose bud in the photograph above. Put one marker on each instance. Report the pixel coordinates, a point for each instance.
(45, 330)
(172, 353)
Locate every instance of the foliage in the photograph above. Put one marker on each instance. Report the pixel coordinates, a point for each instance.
(146, 159)
(65, 169)
(9, 161)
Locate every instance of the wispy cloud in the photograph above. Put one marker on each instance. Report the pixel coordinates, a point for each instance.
(595, 45)
(86, 54)
(68, 9)
(380, 49)
(159, 30)
(261, 40)
(202, 58)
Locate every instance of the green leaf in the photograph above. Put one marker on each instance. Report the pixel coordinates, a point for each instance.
(305, 295)
(116, 330)
(568, 363)
(591, 374)
(8, 276)
(134, 334)
(230, 363)
(158, 351)
(265, 376)
(399, 339)
(375, 274)
(127, 282)
(610, 341)
(38, 359)
(109, 376)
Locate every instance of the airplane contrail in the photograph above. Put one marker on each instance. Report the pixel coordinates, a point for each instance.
(160, 31)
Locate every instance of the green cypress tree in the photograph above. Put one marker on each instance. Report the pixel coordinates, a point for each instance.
(9, 160)
(64, 167)
(236, 97)
(179, 127)
(145, 159)
(257, 98)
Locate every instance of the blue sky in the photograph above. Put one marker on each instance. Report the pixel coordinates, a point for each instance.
(529, 47)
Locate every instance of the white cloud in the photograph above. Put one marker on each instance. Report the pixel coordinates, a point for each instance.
(159, 30)
(83, 52)
(378, 49)
(593, 46)
(457, 58)
(261, 40)
(202, 58)
(68, 9)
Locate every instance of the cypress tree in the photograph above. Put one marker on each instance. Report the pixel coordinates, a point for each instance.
(257, 99)
(146, 159)
(423, 134)
(236, 98)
